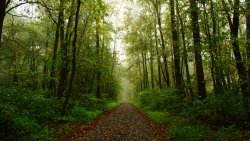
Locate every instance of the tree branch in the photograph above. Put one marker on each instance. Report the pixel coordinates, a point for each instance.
(20, 16)
(28, 2)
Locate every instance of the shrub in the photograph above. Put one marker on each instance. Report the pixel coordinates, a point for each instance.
(160, 100)
(90, 102)
(23, 112)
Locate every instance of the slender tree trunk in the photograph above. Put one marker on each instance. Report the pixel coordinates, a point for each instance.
(98, 74)
(248, 55)
(92, 83)
(164, 56)
(74, 57)
(146, 69)
(52, 84)
(248, 36)
(65, 41)
(234, 26)
(45, 67)
(64, 65)
(158, 57)
(210, 44)
(152, 69)
(185, 51)
(2, 15)
(176, 49)
(197, 50)
(219, 77)
(3, 6)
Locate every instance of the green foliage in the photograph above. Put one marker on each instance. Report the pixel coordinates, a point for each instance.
(223, 109)
(159, 117)
(218, 117)
(80, 113)
(160, 100)
(27, 114)
(92, 103)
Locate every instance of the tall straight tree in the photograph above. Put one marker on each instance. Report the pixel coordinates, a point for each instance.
(185, 55)
(176, 48)
(73, 56)
(248, 51)
(157, 6)
(65, 42)
(197, 49)
(248, 36)
(234, 27)
(98, 73)
(60, 19)
(158, 56)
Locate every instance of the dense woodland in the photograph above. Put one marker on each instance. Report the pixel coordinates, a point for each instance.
(188, 62)
(56, 65)
(191, 59)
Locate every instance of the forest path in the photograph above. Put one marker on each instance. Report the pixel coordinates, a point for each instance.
(124, 123)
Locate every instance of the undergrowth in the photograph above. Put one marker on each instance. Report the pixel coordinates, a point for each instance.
(219, 117)
(31, 115)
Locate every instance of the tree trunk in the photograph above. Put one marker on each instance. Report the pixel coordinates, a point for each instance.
(64, 65)
(164, 56)
(234, 27)
(219, 77)
(3, 6)
(210, 44)
(197, 50)
(64, 39)
(176, 49)
(152, 69)
(158, 57)
(248, 36)
(98, 74)
(145, 70)
(185, 54)
(73, 58)
(247, 96)
(52, 84)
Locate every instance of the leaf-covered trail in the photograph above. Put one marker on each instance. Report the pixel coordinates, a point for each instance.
(125, 123)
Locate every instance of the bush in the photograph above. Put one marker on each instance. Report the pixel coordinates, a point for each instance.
(26, 114)
(90, 102)
(160, 100)
(23, 112)
(218, 117)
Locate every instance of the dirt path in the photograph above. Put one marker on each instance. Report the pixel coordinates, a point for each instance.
(125, 123)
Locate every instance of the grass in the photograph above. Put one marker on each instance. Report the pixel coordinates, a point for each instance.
(183, 128)
(112, 104)
(158, 117)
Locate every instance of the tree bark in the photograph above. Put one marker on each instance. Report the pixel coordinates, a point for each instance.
(52, 85)
(211, 47)
(152, 69)
(64, 65)
(197, 50)
(164, 56)
(74, 57)
(158, 57)
(247, 95)
(176, 48)
(234, 27)
(3, 5)
(98, 74)
(185, 54)
(248, 36)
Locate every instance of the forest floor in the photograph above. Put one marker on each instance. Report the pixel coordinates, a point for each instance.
(123, 123)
